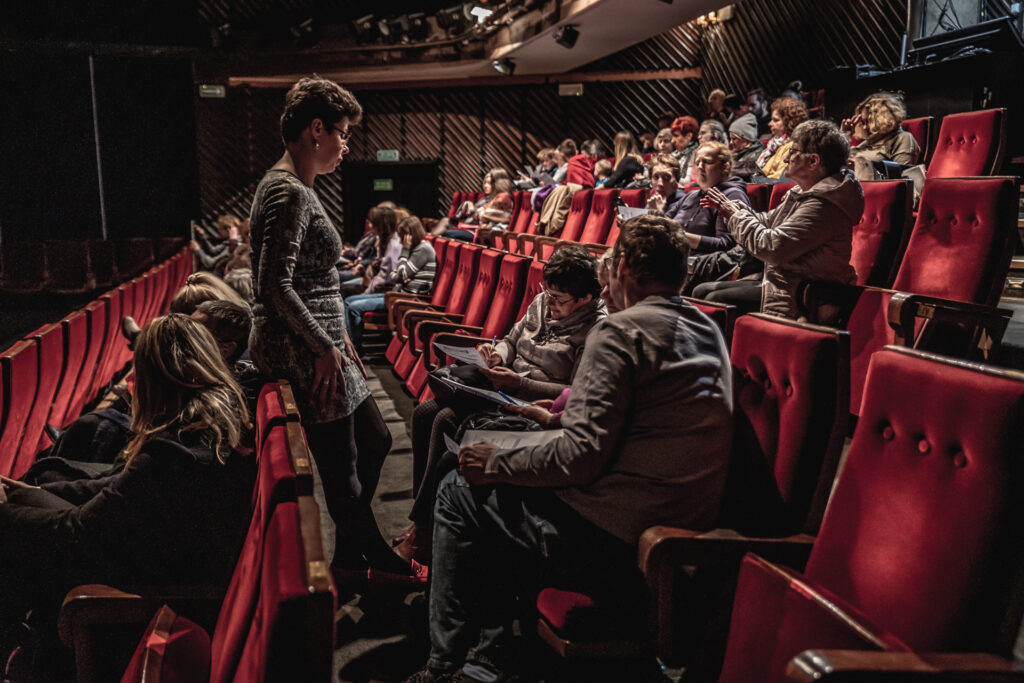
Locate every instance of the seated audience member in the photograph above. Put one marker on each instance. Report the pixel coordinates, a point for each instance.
(711, 130)
(495, 182)
(663, 143)
(602, 171)
(745, 146)
(414, 272)
(794, 91)
(581, 166)
(178, 511)
(240, 280)
(356, 259)
(536, 360)
(628, 162)
(705, 228)
(566, 150)
(716, 107)
(666, 195)
(209, 250)
(380, 220)
(646, 139)
(685, 130)
(200, 287)
(876, 124)
(809, 235)
(757, 104)
(732, 107)
(645, 442)
(497, 213)
(787, 114)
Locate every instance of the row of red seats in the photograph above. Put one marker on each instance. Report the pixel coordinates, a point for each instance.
(54, 372)
(276, 620)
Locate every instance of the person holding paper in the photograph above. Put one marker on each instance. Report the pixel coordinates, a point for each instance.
(646, 441)
(537, 359)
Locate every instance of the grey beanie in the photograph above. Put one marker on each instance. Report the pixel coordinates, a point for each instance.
(745, 127)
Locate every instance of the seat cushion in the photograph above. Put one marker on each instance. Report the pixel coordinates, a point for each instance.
(172, 650)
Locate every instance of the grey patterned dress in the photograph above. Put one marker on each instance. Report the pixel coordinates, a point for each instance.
(299, 313)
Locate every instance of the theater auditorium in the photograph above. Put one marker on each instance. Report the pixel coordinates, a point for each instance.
(529, 341)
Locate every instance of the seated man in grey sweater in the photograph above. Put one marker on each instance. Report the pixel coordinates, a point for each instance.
(645, 442)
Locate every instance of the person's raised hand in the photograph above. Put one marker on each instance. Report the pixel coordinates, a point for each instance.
(504, 379)
(714, 199)
(473, 462)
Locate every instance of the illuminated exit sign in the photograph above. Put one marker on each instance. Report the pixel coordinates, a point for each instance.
(383, 184)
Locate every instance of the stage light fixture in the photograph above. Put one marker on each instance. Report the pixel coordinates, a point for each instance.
(304, 34)
(455, 20)
(366, 29)
(504, 66)
(566, 36)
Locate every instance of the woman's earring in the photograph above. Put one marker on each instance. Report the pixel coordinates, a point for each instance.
(317, 143)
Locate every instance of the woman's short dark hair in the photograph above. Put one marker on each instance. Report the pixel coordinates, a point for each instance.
(316, 98)
(573, 270)
(824, 139)
(568, 148)
(655, 250)
(410, 225)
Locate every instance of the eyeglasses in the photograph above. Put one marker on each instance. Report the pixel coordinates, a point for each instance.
(555, 300)
(346, 135)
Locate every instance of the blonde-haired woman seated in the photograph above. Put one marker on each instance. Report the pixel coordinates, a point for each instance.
(178, 511)
(876, 124)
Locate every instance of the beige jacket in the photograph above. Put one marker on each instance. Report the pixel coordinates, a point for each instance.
(809, 236)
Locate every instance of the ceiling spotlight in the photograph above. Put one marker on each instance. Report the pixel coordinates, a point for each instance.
(366, 29)
(566, 36)
(504, 66)
(455, 20)
(304, 34)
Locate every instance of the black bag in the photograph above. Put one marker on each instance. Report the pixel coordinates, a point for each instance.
(495, 420)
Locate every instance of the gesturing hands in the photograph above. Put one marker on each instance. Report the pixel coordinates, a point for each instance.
(714, 199)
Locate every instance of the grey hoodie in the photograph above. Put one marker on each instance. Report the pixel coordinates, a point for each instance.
(809, 236)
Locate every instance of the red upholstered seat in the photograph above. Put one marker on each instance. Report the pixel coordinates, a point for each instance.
(637, 198)
(75, 333)
(759, 194)
(19, 368)
(600, 218)
(779, 191)
(272, 409)
(534, 285)
(778, 614)
(49, 343)
(457, 199)
(921, 129)
(96, 316)
(882, 231)
(723, 315)
(970, 144)
(113, 347)
(922, 532)
(172, 650)
(574, 222)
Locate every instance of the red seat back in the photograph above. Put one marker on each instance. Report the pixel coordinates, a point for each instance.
(777, 615)
(19, 367)
(172, 650)
(790, 392)
(779, 191)
(457, 199)
(446, 276)
(49, 343)
(75, 334)
(970, 144)
(507, 296)
(484, 282)
(534, 285)
(600, 217)
(921, 129)
(523, 218)
(637, 198)
(882, 231)
(923, 529)
(458, 297)
(759, 195)
(578, 210)
(96, 315)
(113, 347)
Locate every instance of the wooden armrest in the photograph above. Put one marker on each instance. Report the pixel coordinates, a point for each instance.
(812, 296)
(663, 545)
(91, 612)
(894, 667)
(413, 320)
(988, 323)
(593, 247)
(403, 308)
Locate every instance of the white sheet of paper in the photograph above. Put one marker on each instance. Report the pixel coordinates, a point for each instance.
(462, 354)
(508, 439)
(483, 393)
(627, 212)
(450, 444)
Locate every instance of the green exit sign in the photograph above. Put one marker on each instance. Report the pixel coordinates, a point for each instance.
(387, 155)
(383, 184)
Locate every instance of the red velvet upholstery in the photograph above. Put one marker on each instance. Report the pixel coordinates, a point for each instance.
(172, 650)
(970, 144)
(881, 232)
(600, 218)
(723, 315)
(561, 607)
(95, 313)
(127, 292)
(507, 295)
(457, 199)
(637, 198)
(578, 211)
(75, 333)
(113, 345)
(960, 240)
(777, 615)
(921, 129)
(779, 191)
(19, 367)
(926, 516)
(789, 388)
(534, 285)
(759, 194)
(49, 344)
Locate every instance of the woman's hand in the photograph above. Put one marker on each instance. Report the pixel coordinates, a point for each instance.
(504, 379)
(534, 412)
(489, 355)
(656, 202)
(329, 375)
(353, 353)
(7, 485)
(714, 199)
(473, 461)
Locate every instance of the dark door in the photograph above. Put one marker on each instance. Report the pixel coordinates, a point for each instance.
(412, 184)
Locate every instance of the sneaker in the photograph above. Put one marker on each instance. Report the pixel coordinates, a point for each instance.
(426, 675)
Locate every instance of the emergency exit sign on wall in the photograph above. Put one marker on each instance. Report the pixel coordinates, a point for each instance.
(387, 155)
(383, 184)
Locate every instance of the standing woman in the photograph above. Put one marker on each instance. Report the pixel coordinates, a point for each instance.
(299, 318)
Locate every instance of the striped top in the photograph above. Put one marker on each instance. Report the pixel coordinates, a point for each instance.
(415, 271)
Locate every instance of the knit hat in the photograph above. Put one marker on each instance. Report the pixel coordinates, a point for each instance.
(745, 127)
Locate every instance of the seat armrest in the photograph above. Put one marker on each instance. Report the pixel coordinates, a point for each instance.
(988, 323)
(841, 666)
(593, 247)
(814, 296)
(412, 319)
(404, 308)
(669, 546)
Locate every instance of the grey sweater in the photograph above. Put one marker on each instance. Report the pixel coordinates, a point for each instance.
(416, 269)
(299, 313)
(647, 426)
